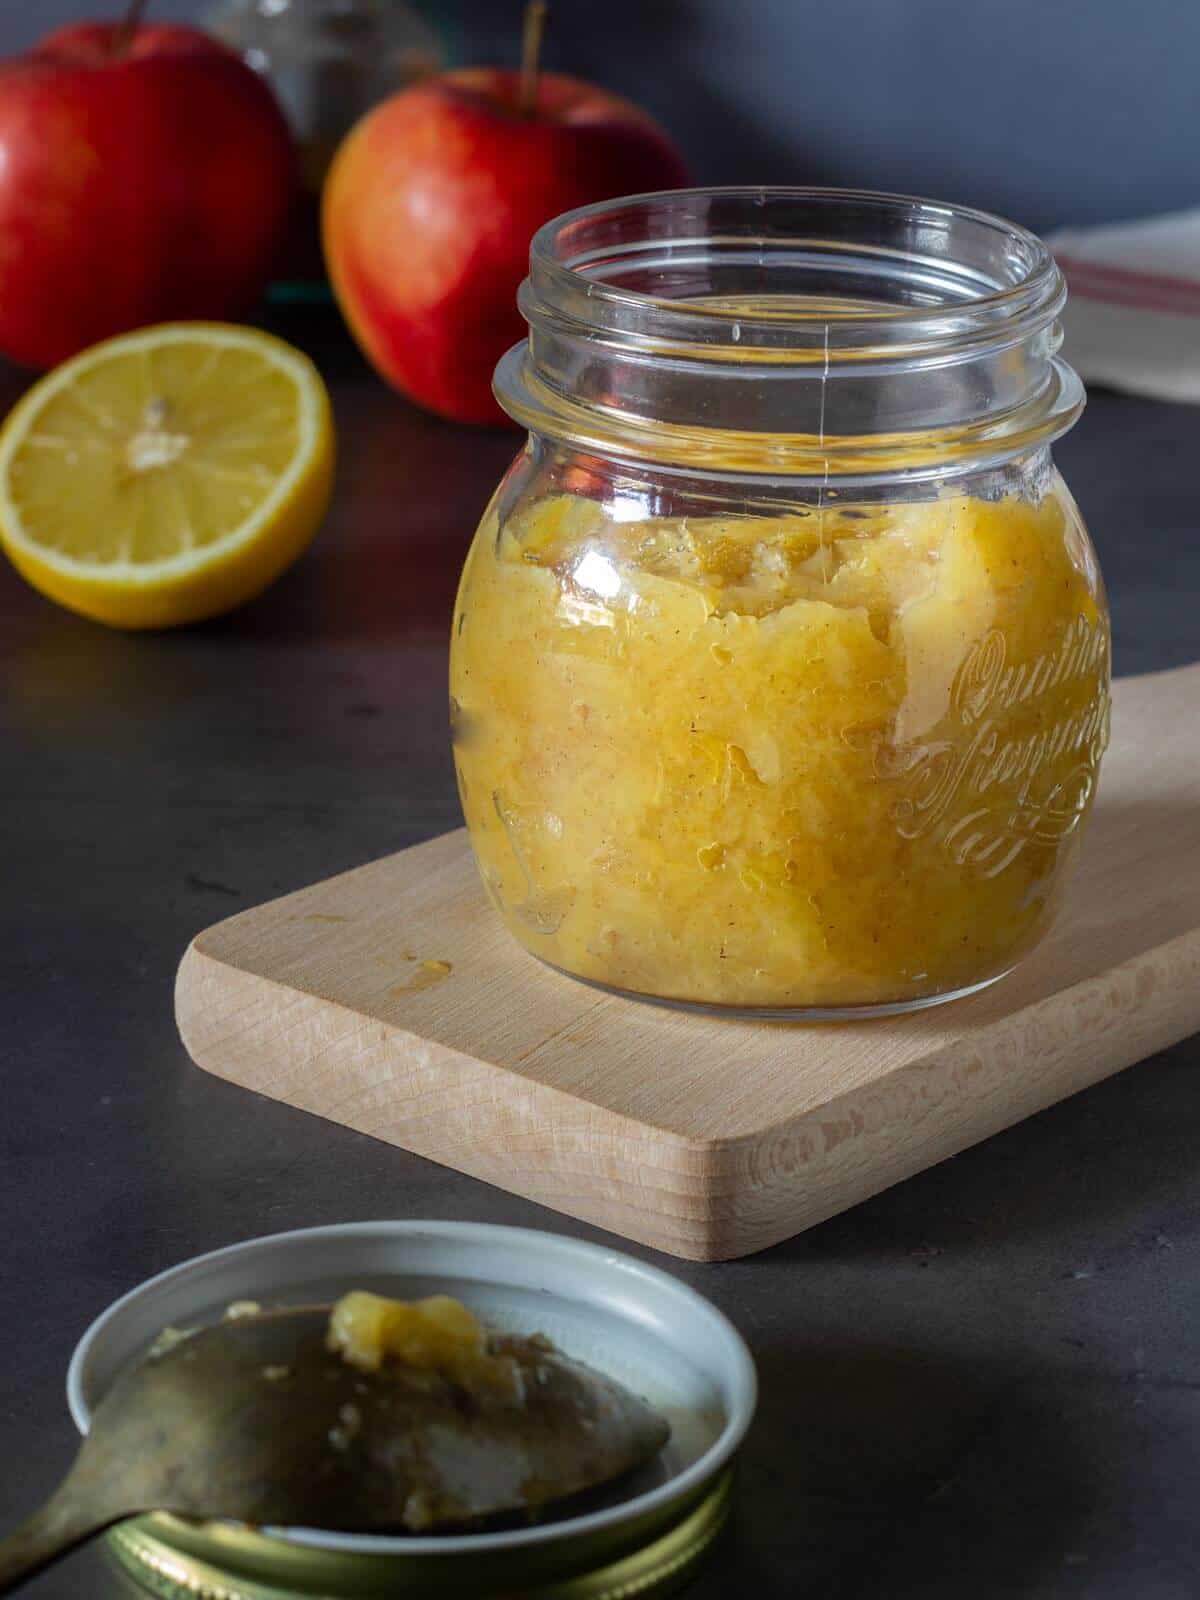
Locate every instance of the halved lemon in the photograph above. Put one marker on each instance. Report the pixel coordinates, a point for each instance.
(166, 475)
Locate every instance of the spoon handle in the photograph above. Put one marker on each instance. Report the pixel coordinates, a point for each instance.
(62, 1523)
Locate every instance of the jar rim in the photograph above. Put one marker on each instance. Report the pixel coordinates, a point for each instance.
(1038, 282)
(791, 331)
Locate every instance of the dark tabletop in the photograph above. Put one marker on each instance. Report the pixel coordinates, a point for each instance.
(985, 1382)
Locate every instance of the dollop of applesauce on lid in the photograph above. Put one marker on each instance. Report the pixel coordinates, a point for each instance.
(435, 1335)
(824, 759)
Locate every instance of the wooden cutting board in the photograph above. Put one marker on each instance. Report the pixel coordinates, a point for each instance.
(390, 999)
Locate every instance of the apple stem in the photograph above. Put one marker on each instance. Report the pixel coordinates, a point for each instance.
(128, 26)
(532, 34)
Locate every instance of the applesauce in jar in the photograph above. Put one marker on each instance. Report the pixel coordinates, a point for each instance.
(772, 717)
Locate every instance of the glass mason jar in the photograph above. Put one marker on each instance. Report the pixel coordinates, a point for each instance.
(780, 663)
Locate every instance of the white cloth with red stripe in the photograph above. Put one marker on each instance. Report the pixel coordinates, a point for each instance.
(1133, 317)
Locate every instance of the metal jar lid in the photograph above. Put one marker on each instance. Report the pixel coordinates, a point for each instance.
(623, 1316)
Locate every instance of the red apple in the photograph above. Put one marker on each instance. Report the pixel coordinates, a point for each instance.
(432, 201)
(143, 178)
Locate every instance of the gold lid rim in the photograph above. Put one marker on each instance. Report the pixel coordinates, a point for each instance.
(654, 1568)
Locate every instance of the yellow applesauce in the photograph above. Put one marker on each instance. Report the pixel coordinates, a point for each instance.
(830, 758)
(435, 1335)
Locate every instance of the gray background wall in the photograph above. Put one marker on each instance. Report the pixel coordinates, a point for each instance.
(1047, 110)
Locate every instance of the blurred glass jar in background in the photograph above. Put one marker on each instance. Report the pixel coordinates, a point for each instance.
(328, 61)
(780, 664)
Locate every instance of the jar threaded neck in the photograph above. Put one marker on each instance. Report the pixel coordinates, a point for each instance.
(811, 333)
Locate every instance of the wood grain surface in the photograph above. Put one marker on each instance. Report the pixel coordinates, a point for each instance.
(390, 999)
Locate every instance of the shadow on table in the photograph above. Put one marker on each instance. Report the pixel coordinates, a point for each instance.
(854, 1448)
(1124, 1149)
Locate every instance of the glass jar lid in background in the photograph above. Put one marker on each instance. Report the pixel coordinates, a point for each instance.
(328, 61)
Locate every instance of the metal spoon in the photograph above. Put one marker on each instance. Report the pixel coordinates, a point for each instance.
(256, 1420)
